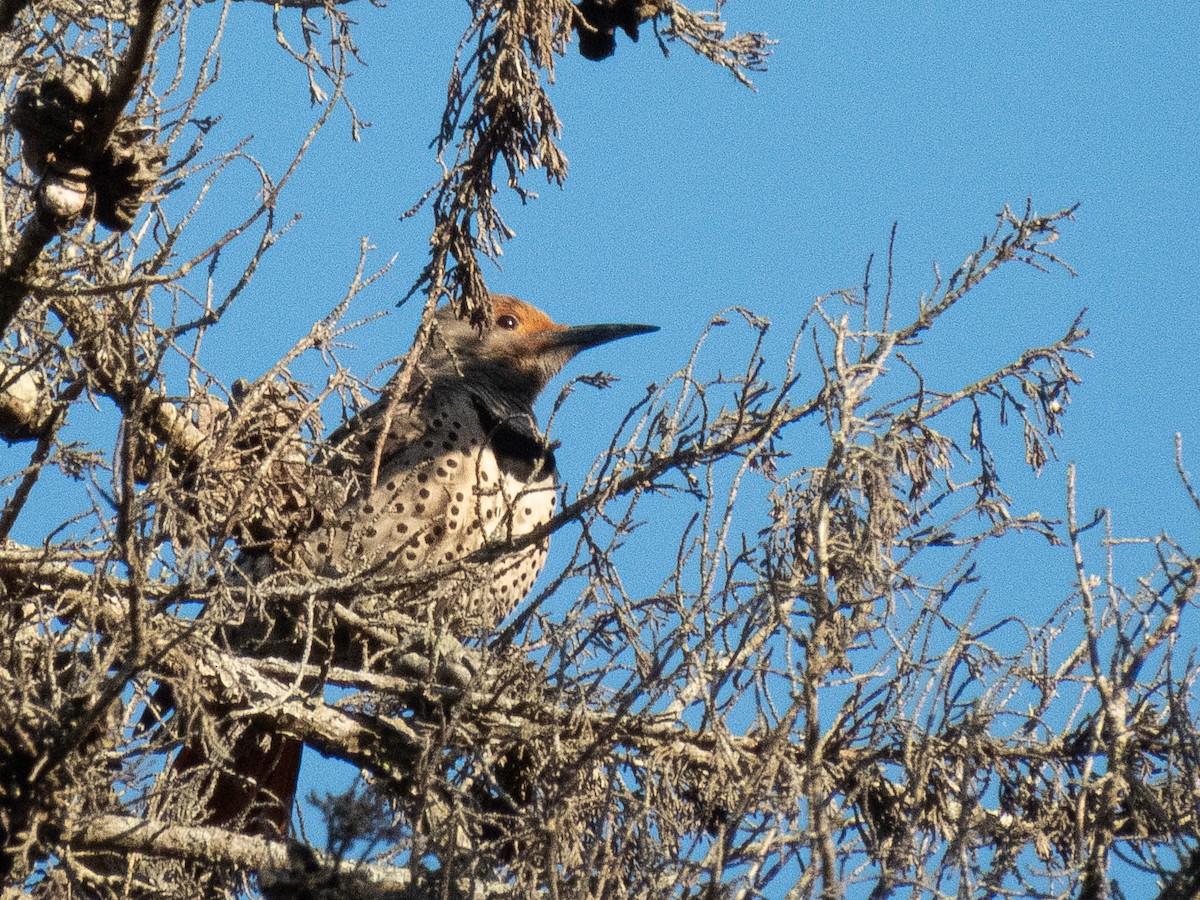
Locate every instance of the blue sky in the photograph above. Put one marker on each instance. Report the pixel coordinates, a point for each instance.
(688, 194)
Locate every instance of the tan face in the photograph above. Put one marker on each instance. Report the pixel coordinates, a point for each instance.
(525, 338)
(522, 348)
(518, 317)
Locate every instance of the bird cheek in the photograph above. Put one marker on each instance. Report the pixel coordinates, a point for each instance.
(553, 362)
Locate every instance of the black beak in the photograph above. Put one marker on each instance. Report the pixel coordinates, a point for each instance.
(582, 337)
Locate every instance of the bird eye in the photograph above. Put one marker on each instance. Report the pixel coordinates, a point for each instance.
(508, 323)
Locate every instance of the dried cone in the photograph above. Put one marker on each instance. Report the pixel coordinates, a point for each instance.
(126, 173)
(604, 17)
(57, 120)
(55, 117)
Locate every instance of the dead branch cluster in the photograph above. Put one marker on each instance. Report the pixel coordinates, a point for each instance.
(800, 685)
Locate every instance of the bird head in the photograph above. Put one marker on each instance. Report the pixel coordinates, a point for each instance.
(521, 349)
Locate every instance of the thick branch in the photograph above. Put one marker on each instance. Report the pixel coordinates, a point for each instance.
(281, 865)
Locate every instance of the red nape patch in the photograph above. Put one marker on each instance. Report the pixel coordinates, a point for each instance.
(532, 320)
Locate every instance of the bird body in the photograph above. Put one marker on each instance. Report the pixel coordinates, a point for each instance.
(461, 481)
(448, 462)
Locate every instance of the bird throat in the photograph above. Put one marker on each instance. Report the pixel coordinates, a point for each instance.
(521, 450)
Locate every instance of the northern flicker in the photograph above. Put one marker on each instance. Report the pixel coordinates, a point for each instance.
(452, 464)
